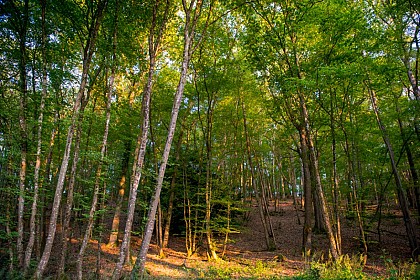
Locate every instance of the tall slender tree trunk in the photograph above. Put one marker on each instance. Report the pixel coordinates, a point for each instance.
(269, 238)
(324, 208)
(307, 192)
(402, 199)
(9, 198)
(353, 183)
(70, 195)
(335, 190)
(32, 228)
(192, 15)
(154, 44)
(22, 32)
(113, 238)
(66, 229)
(281, 181)
(168, 217)
(207, 132)
(89, 49)
(46, 182)
(315, 176)
(411, 163)
(79, 262)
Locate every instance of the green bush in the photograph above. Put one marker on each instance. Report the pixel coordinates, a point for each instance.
(346, 267)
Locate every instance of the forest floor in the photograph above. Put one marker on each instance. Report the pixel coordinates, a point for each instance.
(247, 258)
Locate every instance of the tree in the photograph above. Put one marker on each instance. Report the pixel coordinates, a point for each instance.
(402, 199)
(31, 241)
(88, 51)
(155, 37)
(109, 91)
(192, 12)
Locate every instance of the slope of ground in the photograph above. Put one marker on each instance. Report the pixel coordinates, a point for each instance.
(246, 256)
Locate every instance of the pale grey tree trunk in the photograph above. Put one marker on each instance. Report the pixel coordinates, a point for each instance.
(79, 262)
(192, 14)
(32, 226)
(87, 57)
(22, 32)
(154, 44)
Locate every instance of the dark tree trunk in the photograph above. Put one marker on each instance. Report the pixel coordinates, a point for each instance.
(402, 199)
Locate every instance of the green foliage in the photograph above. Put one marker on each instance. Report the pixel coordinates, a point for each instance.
(351, 267)
(346, 267)
(400, 270)
(246, 270)
(267, 55)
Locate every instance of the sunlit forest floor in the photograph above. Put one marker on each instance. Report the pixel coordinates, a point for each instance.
(246, 257)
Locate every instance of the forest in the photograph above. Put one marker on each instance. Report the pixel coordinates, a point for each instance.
(131, 130)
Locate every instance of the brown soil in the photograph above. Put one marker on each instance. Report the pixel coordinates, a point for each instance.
(247, 249)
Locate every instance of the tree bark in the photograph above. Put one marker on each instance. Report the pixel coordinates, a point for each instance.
(79, 262)
(89, 49)
(168, 217)
(70, 196)
(113, 238)
(207, 132)
(315, 176)
(21, 33)
(402, 199)
(269, 238)
(32, 228)
(154, 44)
(307, 192)
(411, 163)
(335, 190)
(192, 14)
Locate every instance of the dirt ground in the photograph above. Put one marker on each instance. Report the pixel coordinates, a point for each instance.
(247, 250)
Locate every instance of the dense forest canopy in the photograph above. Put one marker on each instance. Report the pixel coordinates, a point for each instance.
(115, 114)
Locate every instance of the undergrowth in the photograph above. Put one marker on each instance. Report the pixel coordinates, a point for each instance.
(351, 267)
(346, 267)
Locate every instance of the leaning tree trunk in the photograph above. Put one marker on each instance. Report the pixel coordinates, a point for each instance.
(113, 238)
(154, 44)
(138, 166)
(46, 182)
(402, 199)
(87, 57)
(70, 196)
(323, 203)
(410, 159)
(168, 217)
(70, 188)
(192, 15)
(79, 262)
(314, 173)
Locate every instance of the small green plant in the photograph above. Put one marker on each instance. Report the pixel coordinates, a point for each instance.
(260, 269)
(400, 270)
(345, 267)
